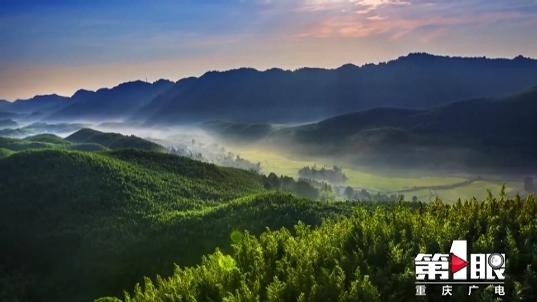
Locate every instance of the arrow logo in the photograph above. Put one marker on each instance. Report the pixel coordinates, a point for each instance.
(457, 263)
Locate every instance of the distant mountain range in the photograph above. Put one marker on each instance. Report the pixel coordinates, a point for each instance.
(36, 105)
(104, 104)
(491, 121)
(114, 103)
(415, 81)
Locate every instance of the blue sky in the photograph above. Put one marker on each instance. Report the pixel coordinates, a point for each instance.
(60, 46)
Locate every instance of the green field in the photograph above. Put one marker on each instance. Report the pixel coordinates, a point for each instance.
(280, 163)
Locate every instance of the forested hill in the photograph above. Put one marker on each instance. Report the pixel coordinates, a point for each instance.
(78, 225)
(494, 134)
(83, 140)
(68, 216)
(368, 257)
(112, 140)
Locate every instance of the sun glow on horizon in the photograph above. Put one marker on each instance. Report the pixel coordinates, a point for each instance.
(65, 46)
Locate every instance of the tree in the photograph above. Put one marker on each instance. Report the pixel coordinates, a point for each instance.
(349, 193)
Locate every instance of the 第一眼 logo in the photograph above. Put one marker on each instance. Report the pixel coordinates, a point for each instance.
(458, 268)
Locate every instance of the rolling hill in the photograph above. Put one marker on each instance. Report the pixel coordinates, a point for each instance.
(84, 140)
(479, 133)
(40, 128)
(113, 140)
(5, 152)
(78, 225)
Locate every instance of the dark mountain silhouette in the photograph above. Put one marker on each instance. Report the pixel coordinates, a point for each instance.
(507, 120)
(110, 103)
(238, 131)
(7, 115)
(480, 132)
(416, 81)
(7, 123)
(39, 104)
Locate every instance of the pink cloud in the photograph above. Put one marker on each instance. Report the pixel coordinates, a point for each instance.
(396, 27)
(376, 18)
(360, 6)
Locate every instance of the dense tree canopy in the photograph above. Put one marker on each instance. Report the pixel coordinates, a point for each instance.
(368, 257)
(95, 223)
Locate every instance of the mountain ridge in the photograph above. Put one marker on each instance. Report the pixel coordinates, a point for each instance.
(415, 81)
(116, 102)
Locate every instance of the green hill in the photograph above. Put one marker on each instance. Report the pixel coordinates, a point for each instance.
(88, 147)
(40, 127)
(113, 140)
(5, 152)
(78, 225)
(477, 135)
(47, 138)
(16, 145)
(368, 257)
(82, 140)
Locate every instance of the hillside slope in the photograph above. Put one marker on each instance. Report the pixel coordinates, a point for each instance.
(113, 140)
(77, 225)
(368, 257)
(83, 140)
(478, 134)
(69, 213)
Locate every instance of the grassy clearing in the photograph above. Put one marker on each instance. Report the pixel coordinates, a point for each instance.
(272, 161)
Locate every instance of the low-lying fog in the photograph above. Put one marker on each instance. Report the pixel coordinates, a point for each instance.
(347, 180)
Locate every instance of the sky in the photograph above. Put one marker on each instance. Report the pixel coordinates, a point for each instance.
(59, 46)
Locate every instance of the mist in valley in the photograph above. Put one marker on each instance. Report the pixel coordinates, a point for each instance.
(359, 169)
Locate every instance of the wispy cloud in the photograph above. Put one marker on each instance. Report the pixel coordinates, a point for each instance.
(46, 43)
(358, 6)
(392, 19)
